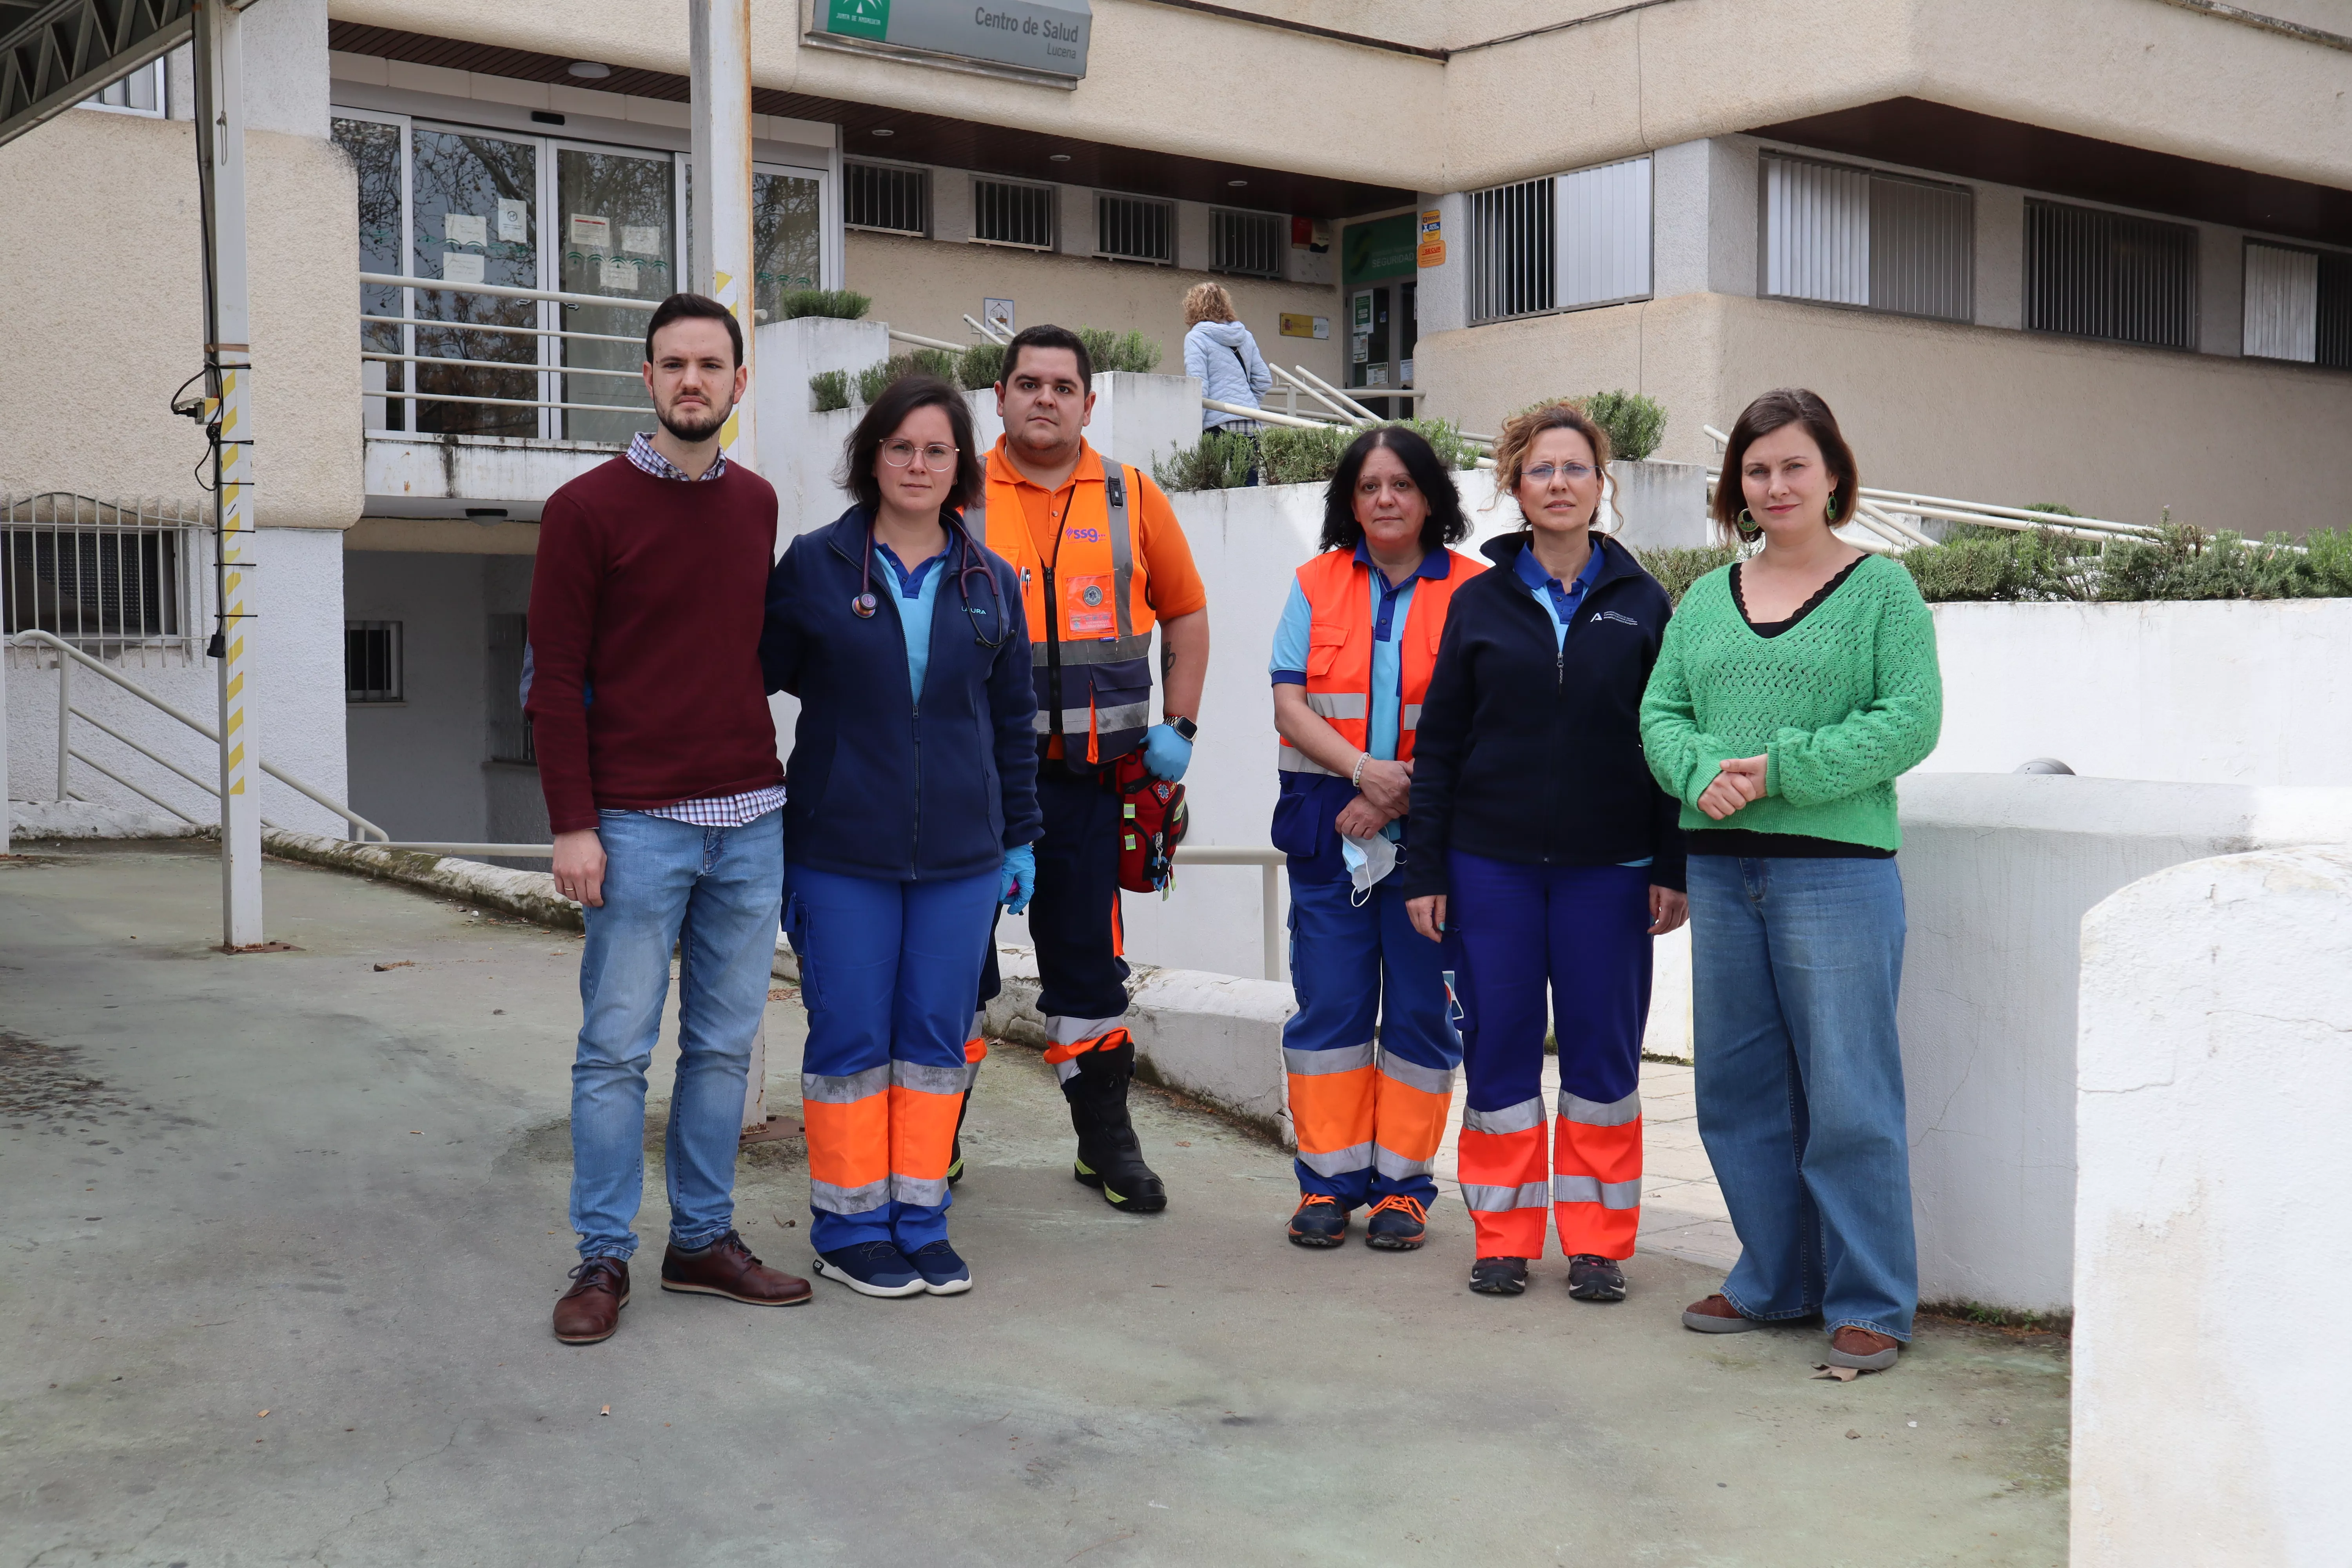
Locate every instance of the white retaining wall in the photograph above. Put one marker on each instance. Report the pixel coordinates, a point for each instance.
(296, 669)
(1998, 873)
(2216, 1085)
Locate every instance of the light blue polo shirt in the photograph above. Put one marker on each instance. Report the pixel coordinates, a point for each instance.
(918, 591)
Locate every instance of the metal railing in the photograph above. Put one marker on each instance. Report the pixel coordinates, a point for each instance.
(1898, 517)
(67, 657)
(1268, 860)
(116, 576)
(541, 366)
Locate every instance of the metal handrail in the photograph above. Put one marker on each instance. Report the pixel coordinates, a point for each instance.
(1268, 860)
(67, 712)
(506, 291)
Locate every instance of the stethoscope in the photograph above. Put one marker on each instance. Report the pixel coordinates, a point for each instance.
(970, 561)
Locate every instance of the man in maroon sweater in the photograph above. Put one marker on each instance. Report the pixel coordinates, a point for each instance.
(658, 761)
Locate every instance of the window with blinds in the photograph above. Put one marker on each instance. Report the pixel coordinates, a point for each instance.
(2298, 305)
(885, 198)
(1132, 228)
(1560, 243)
(1843, 236)
(1005, 213)
(140, 92)
(2090, 273)
(1249, 244)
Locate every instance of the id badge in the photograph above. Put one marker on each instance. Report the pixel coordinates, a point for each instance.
(1091, 611)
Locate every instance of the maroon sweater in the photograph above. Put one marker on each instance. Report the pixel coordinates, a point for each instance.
(649, 594)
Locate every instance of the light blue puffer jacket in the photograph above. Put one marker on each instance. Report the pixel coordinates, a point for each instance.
(1225, 357)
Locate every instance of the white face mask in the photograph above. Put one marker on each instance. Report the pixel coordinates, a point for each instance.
(1368, 860)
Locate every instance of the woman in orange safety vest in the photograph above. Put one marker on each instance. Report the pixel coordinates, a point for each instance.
(1352, 656)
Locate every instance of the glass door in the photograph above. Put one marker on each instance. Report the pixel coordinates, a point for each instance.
(619, 212)
(375, 146)
(474, 219)
(787, 235)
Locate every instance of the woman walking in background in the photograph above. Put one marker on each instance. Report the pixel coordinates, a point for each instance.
(911, 817)
(1352, 656)
(1793, 688)
(1547, 859)
(1220, 350)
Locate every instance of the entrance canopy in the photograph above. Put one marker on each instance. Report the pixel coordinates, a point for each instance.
(55, 53)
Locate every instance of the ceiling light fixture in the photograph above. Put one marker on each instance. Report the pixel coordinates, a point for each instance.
(591, 70)
(1057, 157)
(1237, 184)
(884, 130)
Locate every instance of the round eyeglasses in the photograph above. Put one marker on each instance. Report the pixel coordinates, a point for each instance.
(937, 457)
(1542, 472)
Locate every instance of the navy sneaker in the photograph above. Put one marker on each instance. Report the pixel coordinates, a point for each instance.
(1320, 1222)
(1591, 1277)
(1499, 1275)
(872, 1269)
(944, 1274)
(1397, 1224)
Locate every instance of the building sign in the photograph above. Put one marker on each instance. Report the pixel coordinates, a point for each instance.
(1433, 241)
(1294, 325)
(997, 313)
(1048, 36)
(1383, 248)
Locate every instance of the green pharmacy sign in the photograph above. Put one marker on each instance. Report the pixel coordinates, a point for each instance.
(1044, 35)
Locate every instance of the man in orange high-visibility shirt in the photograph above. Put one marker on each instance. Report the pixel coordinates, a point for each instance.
(1101, 557)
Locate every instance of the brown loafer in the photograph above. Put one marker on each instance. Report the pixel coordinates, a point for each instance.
(1866, 1349)
(1717, 1316)
(591, 1310)
(726, 1267)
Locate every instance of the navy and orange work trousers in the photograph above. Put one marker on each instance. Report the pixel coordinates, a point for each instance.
(1074, 921)
(888, 971)
(1580, 933)
(1369, 1112)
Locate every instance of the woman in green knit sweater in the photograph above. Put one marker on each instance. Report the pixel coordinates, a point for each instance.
(1791, 689)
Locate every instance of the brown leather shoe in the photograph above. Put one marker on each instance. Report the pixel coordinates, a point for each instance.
(1863, 1348)
(591, 1310)
(1717, 1316)
(726, 1267)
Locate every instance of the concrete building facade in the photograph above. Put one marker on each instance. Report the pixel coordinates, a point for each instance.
(2099, 255)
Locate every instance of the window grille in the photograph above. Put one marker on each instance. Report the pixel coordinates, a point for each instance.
(1004, 213)
(372, 661)
(2333, 339)
(1249, 244)
(1856, 237)
(1604, 234)
(106, 577)
(140, 92)
(509, 727)
(1512, 239)
(886, 199)
(1130, 228)
(2095, 274)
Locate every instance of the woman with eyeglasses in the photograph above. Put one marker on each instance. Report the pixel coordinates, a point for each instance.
(1545, 858)
(1796, 685)
(911, 812)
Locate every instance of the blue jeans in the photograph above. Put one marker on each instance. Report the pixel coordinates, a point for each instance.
(712, 892)
(1795, 964)
(888, 974)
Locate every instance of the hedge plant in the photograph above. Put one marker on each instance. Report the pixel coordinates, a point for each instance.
(842, 304)
(829, 391)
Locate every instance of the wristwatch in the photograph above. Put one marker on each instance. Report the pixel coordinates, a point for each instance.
(1185, 727)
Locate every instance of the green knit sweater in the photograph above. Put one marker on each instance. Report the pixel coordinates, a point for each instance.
(1840, 704)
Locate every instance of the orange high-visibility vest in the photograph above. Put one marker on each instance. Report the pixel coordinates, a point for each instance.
(1340, 648)
(1089, 619)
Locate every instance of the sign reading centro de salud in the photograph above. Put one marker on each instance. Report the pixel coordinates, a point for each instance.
(1048, 35)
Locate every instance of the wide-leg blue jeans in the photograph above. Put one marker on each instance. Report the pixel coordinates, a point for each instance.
(711, 893)
(1795, 965)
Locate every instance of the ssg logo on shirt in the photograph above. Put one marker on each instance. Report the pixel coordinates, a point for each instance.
(1091, 535)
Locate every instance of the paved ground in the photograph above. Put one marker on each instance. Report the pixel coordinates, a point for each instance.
(297, 1184)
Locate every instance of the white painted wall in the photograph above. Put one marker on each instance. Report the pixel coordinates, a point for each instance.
(416, 765)
(296, 669)
(2216, 1084)
(2223, 691)
(1998, 872)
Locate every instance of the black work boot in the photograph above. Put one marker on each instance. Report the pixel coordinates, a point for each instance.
(1110, 1155)
(955, 1157)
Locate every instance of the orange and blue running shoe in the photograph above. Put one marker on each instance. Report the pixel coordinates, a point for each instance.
(1320, 1222)
(1397, 1224)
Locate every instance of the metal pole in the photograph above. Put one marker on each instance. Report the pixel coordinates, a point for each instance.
(725, 269)
(1269, 900)
(220, 148)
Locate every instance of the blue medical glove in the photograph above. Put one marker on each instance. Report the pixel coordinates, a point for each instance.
(1018, 881)
(1166, 753)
